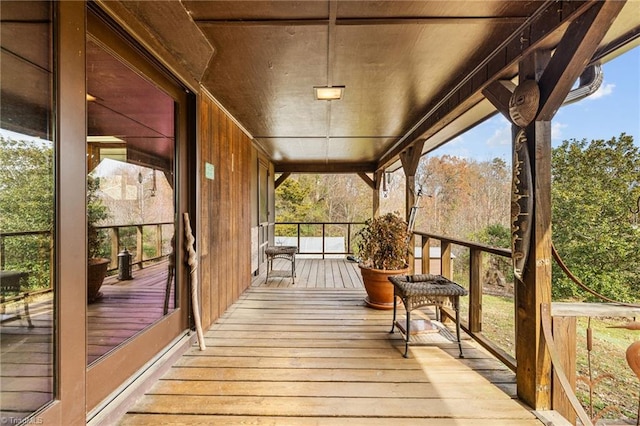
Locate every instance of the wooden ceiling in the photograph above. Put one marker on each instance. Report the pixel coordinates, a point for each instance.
(413, 71)
(402, 63)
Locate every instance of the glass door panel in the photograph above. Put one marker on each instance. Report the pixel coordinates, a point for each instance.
(130, 202)
(27, 207)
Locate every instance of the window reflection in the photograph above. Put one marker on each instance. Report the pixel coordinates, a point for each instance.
(26, 211)
(130, 201)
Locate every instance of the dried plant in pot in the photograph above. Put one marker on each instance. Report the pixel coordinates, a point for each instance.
(383, 248)
(97, 262)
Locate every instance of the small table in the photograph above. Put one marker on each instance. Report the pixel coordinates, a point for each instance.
(281, 252)
(416, 291)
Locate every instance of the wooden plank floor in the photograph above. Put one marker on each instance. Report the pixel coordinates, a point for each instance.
(27, 354)
(313, 273)
(318, 356)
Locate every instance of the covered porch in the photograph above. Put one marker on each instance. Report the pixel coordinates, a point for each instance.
(312, 353)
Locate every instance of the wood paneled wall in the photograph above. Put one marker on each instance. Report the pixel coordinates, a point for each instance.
(224, 203)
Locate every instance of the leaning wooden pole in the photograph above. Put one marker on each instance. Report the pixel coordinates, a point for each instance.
(192, 260)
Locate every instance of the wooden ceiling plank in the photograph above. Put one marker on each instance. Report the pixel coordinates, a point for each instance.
(206, 23)
(573, 54)
(330, 168)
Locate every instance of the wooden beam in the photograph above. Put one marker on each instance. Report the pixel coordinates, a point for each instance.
(281, 179)
(371, 182)
(499, 94)
(410, 158)
(422, 20)
(540, 29)
(330, 168)
(573, 54)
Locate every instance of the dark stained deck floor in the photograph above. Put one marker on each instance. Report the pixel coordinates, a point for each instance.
(305, 354)
(26, 354)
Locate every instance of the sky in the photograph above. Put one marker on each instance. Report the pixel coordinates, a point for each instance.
(612, 110)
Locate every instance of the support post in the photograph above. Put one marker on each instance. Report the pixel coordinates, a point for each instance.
(426, 255)
(410, 158)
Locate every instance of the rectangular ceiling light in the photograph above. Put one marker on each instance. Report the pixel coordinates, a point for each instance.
(329, 93)
(104, 139)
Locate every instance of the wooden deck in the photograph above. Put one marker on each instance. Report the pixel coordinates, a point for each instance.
(303, 355)
(26, 367)
(313, 273)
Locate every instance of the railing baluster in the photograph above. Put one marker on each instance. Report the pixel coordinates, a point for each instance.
(158, 240)
(475, 290)
(323, 240)
(115, 246)
(446, 268)
(426, 255)
(2, 252)
(139, 245)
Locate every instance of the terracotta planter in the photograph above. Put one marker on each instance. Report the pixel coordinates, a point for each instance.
(379, 288)
(96, 271)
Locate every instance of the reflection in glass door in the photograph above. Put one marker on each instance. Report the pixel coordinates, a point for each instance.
(27, 153)
(130, 202)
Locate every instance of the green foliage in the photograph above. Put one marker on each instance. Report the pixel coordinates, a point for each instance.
(496, 235)
(595, 184)
(27, 205)
(383, 243)
(321, 198)
(26, 186)
(96, 212)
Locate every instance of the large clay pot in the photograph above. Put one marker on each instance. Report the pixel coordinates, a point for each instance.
(96, 271)
(379, 288)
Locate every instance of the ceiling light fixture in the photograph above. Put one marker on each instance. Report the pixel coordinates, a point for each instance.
(104, 139)
(329, 93)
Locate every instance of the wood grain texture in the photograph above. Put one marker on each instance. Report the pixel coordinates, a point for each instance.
(224, 202)
(317, 355)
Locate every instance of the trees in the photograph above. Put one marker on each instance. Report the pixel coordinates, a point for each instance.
(595, 184)
(27, 205)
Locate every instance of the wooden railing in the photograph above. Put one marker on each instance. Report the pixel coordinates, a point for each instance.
(138, 255)
(473, 324)
(115, 242)
(348, 235)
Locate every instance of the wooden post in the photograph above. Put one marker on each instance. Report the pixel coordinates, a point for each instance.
(377, 179)
(564, 334)
(534, 363)
(139, 245)
(446, 268)
(554, 76)
(475, 290)
(426, 255)
(410, 158)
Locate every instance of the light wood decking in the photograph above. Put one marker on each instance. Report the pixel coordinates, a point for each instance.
(317, 356)
(313, 273)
